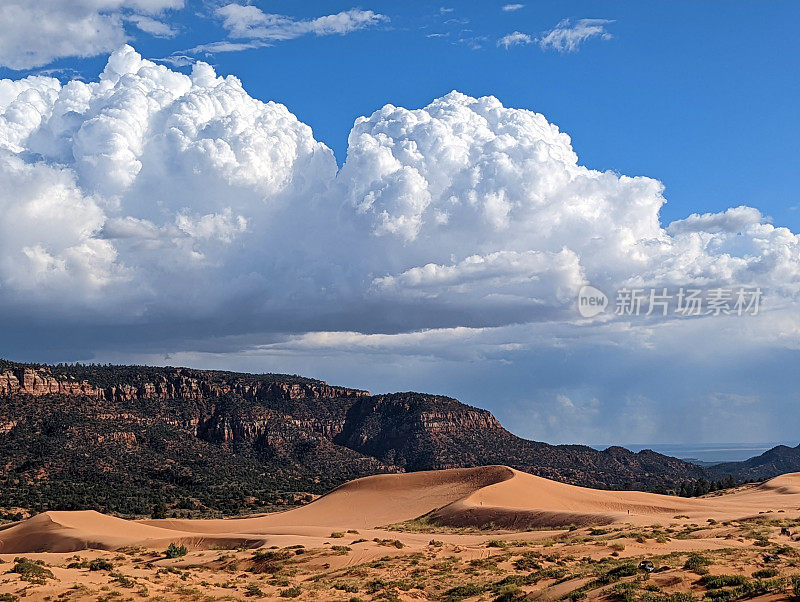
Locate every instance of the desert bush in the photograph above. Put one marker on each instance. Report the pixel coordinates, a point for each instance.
(626, 569)
(720, 581)
(31, 571)
(291, 592)
(252, 590)
(176, 551)
(697, 563)
(460, 592)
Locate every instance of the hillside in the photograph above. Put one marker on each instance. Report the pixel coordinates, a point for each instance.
(778, 460)
(131, 439)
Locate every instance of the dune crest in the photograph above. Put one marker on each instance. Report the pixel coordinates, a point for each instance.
(495, 495)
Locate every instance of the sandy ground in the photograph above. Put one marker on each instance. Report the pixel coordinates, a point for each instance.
(486, 533)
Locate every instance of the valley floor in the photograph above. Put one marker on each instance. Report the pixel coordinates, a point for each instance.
(445, 565)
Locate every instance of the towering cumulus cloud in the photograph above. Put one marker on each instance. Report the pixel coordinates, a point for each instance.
(150, 197)
(493, 199)
(123, 190)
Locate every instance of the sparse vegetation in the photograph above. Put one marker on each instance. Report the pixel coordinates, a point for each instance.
(32, 571)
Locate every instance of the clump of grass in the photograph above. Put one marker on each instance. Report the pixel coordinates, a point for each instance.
(542, 574)
(496, 543)
(509, 592)
(100, 564)
(749, 589)
(460, 592)
(529, 561)
(291, 592)
(337, 534)
(253, 591)
(123, 580)
(626, 569)
(765, 573)
(396, 543)
(271, 561)
(346, 587)
(720, 581)
(31, 571)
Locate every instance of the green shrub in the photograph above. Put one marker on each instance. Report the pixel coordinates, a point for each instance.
(100, 564)
(454, 594)
(252, 590)
(123, 580)
(528, 562)
(176, 551)
(765, 573)
(697, 563)
(749, 589)
(720, 581)
(390, 542)
(626, 569)
(291, 592)
(509, 592)
(346, 587)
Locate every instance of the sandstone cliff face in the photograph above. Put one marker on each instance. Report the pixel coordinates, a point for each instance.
(299, 426)
(39, 382)
(27, 381)
(269, 411)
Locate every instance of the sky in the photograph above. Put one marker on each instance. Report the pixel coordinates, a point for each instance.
(410, 196)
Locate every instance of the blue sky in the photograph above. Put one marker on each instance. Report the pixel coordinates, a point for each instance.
(698, 96)
(704, 99)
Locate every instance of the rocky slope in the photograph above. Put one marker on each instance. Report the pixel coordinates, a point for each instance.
(127, 438)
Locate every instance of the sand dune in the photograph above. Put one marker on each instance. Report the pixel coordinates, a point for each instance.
(87, 529)
(460, 497)
(529, 501)
(364, 503)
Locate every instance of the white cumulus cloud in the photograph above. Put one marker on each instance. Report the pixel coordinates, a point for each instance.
(158, 196)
